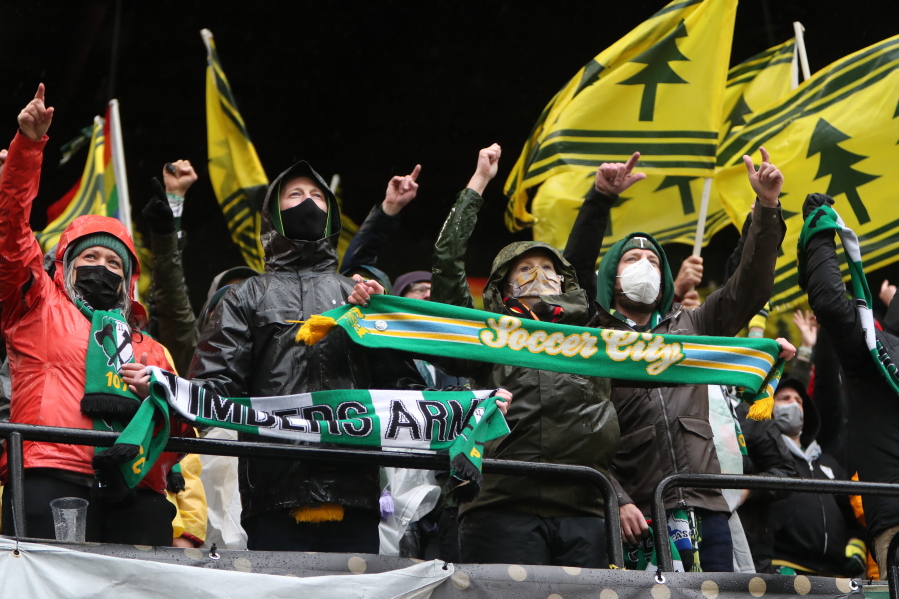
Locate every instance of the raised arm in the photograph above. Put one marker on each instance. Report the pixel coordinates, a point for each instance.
(20, 254)
(731, 307)
(586, 237)
(449, 284)
(835, 312)
(177, 322)
(381, 223)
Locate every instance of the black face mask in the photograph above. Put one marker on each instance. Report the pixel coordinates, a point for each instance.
(98, 286)
(304, 222)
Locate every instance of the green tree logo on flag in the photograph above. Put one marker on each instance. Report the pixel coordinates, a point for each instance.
(683, 186)
(737, 116)
(657, 70)
(837, 162)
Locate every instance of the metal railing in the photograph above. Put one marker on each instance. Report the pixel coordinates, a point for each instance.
(769, 483)
(17, 433)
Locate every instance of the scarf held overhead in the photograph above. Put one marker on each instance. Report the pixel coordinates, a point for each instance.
(425, 327)
(825, 218)
(458, 421)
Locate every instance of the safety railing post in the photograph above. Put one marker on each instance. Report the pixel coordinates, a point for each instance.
(17, 482)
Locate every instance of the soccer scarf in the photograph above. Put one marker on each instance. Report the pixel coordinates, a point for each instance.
(458, 421)
(825, 218)
(432, 328)
(111, 406)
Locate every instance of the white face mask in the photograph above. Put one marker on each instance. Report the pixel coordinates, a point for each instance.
(640, 282)
(535, 283)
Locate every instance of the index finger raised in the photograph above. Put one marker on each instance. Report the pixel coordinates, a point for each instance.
(39, 95)
(632, 161)
(415, 172)
(765, 156)
(750, 168)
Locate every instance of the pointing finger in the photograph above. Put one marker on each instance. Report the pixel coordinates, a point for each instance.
(765, 156)
(749, 167)
(632, 162)
(415, 172)
(40, 92)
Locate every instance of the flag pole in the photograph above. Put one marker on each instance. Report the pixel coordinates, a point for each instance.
(118, 168)
(118, 164)
(703, 212)
(798, 30)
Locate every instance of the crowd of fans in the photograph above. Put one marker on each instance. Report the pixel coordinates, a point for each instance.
(834, 416)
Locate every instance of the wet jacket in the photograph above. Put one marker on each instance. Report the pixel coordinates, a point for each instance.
(177, 329)
(767, 456)
(811, 530)
(248, 349)
(46, 335)
(554, 417)
(666, 430)
(873, 410)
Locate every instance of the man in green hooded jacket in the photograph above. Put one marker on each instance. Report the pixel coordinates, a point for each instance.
(666, 430)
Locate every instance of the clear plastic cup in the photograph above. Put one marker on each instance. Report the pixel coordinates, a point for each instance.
(69, 518)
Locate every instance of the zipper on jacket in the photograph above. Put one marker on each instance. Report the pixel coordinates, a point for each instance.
(680, 490)
(811, 468)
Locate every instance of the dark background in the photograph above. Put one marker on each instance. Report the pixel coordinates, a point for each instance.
(366, 90)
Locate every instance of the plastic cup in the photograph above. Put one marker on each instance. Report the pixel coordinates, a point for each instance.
(69, 518)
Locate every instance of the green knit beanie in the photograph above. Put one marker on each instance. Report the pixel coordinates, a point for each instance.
(106, 240)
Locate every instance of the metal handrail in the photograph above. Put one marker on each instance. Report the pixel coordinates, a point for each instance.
(733, 481)
(16, 433)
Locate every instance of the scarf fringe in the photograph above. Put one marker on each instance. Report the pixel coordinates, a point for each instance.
(114, 407)
(110, 485)
(470, 480)
(761, 409)
(315, 328)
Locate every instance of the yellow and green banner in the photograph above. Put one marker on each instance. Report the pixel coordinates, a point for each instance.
(837, 134)
(657, 90)
(94, 193)
(235, 171)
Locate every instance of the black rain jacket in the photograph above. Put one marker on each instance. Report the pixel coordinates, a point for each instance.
(248, 349)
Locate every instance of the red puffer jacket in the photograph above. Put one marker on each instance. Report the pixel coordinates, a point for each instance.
(46, 335)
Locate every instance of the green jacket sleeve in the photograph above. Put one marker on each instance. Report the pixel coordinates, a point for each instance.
(177, 323)
(449, 284)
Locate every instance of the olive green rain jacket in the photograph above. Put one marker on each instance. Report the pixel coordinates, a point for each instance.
(554, 417)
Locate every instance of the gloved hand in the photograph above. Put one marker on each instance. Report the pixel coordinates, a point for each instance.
(158, 212)
(814, 200)
(856, 555)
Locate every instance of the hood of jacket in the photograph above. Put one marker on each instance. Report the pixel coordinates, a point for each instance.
(282, 253)
(573, 299)
(91, 224)
(608, 274)
(811, 420)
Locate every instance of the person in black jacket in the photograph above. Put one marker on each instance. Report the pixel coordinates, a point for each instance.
(813, 533)
(873, 410)
(248, 348)
(767, 455)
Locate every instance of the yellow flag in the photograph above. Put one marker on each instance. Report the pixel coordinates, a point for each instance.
(837, 133)
(758, 83)
(236, 174)
(95, 192)
(657, 90)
